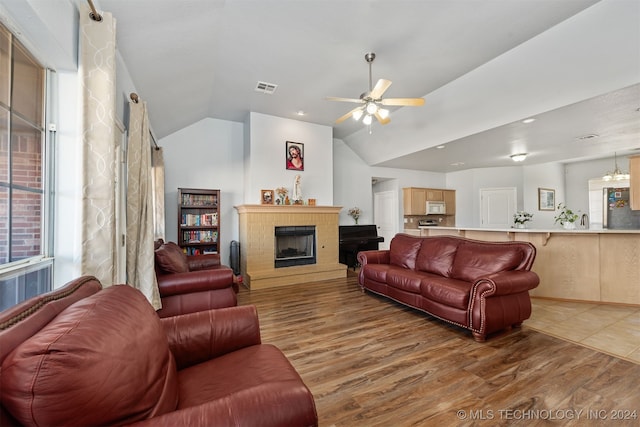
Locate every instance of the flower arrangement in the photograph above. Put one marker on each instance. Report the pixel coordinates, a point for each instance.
(355, 213)
(522, 217)
(282, 192)
(566, 215)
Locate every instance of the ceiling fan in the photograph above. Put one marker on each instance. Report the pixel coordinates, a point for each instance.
(372, 101)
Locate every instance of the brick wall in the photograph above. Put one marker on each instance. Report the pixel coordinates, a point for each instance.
(26, 206)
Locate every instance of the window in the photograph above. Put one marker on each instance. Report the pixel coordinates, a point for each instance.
(23, 162)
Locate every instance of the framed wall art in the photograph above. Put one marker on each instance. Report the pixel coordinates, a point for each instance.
(546, 199)
(266, 197)
(294, 156)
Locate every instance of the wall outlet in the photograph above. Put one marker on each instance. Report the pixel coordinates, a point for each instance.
(406, 220)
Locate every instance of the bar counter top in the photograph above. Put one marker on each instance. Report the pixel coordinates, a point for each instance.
(595, 265)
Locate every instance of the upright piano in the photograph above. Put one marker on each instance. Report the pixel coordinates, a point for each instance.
(356, 238)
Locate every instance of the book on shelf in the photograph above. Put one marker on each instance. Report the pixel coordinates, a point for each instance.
(200, 236)
(189, 199)
(200, 220)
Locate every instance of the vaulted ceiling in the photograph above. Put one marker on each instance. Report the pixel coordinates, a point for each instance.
(482, 67)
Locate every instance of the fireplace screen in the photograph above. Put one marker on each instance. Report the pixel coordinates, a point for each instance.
(295, 245)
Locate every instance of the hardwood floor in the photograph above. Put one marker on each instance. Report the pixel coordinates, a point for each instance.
(371, 362)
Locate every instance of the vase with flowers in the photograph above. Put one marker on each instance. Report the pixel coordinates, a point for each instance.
(521, 218)
(282, 193)
(567, 218)
(355, 213)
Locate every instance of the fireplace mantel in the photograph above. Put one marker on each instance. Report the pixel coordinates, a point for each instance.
(287, 209)
(257, 241)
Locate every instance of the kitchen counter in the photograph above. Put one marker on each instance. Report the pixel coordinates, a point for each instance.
(597, 265)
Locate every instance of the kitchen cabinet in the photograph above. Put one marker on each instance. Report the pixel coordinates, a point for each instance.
(414, 201)
(450, 201)
(634, 182)
(434, 195)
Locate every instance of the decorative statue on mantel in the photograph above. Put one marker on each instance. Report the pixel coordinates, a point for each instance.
(297, 190)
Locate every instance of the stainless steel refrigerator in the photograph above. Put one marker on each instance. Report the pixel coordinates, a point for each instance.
(617, 213)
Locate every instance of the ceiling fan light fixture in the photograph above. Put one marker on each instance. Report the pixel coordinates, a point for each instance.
(518, 157)
(383, 112)
(357, 114)
(371, 107)
(367, 119)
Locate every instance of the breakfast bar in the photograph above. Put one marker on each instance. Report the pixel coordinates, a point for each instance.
(580, 265)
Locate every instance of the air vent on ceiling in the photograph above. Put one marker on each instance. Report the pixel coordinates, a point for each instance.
(586, 137)
(267, 88)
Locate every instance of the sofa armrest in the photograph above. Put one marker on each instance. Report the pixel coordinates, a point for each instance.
(197, 337)
(203, 262)
(374, 257)
(194, 281)
(505, 283)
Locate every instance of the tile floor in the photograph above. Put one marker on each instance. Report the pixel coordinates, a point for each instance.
(612, 329)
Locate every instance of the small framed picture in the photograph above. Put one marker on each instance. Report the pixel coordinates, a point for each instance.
(546, 199)
(266, 197)
(294, 156)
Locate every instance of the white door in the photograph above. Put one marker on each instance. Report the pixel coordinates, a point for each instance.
(385, 215)
(497, 207)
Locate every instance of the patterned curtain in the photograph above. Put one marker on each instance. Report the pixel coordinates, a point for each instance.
(97, 71)
(140, 228)
(157, 163)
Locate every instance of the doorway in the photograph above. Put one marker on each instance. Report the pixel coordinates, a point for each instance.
(497, 207)
(385, 215)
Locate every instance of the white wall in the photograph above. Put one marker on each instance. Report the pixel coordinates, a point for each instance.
(469, 183)
(208, 154)
(353, 187)
(266, 161)
(548, 175)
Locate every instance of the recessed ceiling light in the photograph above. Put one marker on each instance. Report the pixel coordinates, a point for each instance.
(457, 164)
(300, 113)
(440, 147)
(588, 136)
(529, 120)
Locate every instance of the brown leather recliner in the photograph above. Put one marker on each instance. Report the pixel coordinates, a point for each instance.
(192, 283)
(83, 355)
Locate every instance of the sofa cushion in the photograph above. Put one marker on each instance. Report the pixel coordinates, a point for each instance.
(478, 259)
(377, 272)
(171, 259)
(404, 279)
(403, 250)
(103, 360)
(447, 291)
(436, 255)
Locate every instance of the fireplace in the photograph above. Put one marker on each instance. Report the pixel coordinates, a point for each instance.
(294, 245)
(313, 258)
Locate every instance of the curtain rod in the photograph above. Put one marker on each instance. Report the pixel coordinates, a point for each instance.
(94, 13)
(135, 98)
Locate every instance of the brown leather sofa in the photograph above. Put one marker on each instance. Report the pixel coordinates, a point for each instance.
(481, 286)
(88, 356)
(192, 283)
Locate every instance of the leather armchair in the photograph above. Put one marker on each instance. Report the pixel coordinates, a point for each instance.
(194, 283)
(83, 355)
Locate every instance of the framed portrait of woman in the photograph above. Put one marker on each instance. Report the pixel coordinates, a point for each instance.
(294, 156)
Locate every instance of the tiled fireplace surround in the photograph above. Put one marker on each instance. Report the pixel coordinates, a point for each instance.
(257, 240)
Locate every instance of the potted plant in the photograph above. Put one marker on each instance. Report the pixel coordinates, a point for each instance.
(521, 218)
(566, 217)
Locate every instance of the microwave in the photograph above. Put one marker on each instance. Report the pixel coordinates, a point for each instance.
(436, 208)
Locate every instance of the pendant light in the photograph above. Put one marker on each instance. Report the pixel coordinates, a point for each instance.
(617, 174)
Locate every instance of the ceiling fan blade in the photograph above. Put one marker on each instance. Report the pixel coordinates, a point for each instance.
(413, 102)
(383, 121)
(335, 98)
(346, 116)
(380, 88)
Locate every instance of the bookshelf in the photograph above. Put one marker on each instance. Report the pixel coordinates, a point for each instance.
(198, 220)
